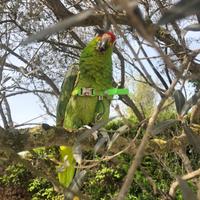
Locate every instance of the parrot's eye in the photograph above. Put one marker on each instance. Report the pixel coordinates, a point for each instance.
(101, 46)
(98, 45)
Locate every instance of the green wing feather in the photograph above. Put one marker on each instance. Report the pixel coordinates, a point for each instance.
(65, 94)
(66, 175)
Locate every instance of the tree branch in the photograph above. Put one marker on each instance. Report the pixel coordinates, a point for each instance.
(44, 136)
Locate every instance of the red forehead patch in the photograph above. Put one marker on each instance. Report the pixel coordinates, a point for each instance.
(113, 37)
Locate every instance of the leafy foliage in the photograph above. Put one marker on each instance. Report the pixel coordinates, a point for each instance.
(15, 175)
(37, 188)
(42, 189)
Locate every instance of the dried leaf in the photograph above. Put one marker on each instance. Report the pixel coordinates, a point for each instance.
(198, 190)
(188, 104)
(193, 139)
(163, 125)
(99, 144)
(119, 131)
(75, 186)
(179, 100)
(105, 139)
(186, 190)
(77, 181)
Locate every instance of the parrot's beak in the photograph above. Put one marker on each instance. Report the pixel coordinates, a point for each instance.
(103, 44)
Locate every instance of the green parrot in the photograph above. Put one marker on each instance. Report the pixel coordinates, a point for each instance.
(82, 100)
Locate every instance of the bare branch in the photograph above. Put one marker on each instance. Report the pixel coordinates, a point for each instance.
(121, 58)
(3, 117)
(8, 112)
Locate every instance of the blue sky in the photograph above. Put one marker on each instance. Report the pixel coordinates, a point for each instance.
(27, 107)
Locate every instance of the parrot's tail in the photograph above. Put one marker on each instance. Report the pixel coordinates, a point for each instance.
(66, 170)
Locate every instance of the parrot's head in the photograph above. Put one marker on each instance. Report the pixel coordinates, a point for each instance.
(105, 41)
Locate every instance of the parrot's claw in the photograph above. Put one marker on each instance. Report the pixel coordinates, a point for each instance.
(103, 133)
(94, 134)
(87, 127)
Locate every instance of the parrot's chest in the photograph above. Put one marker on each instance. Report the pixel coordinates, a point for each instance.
(84, 104)
(86, 107)
(85, 110)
